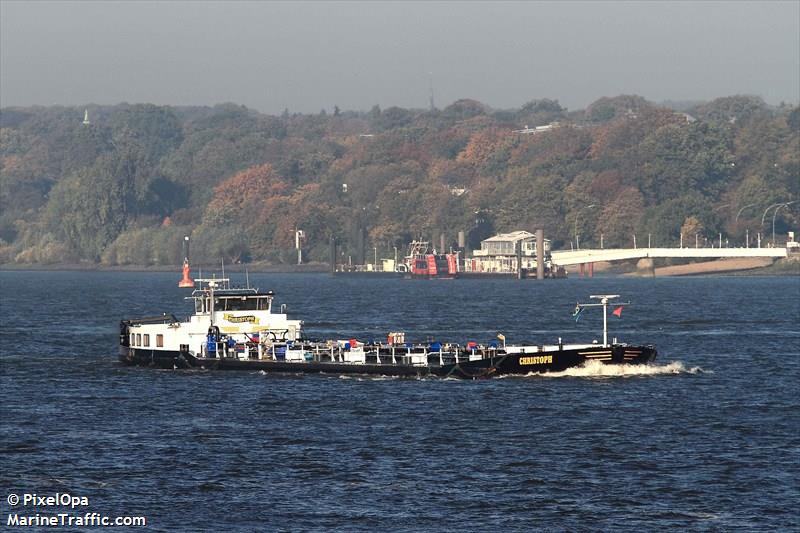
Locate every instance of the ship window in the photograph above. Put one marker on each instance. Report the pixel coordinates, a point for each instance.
(240, 303)
(138, 339)
(160, 340)
(147, 339)
(133, 339)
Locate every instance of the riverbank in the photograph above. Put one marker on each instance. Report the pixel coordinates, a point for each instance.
(756, 266)
(196, 269)
(720, 266)
(727, 267)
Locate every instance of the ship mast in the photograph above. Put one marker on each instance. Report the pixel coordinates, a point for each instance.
(604, 299)
(211, 286)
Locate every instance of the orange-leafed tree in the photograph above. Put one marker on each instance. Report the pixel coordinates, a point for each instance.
(240, 198)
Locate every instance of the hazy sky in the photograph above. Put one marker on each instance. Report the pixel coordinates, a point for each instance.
(306, 56)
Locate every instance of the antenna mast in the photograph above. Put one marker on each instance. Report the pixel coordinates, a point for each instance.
(604, 298)
(433, 107)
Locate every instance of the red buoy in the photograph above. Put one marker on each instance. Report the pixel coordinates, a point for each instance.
(187, 281)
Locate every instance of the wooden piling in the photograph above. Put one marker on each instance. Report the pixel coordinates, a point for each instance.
(539, 254)
(333, 255)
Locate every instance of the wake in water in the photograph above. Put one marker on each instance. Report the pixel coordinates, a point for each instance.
(592, 369)
(596, 369)
(364, 377)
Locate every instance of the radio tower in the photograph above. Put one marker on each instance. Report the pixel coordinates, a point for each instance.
(433, 107)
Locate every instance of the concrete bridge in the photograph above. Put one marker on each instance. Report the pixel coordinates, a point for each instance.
(579, 257)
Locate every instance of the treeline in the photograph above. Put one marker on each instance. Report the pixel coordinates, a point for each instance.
(126, 187)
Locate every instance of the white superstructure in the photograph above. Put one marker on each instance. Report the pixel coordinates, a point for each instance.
(224, 319)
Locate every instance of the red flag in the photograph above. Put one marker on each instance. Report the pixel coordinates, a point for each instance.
(617, 312)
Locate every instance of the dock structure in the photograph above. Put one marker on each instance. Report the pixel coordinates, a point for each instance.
(516, 253)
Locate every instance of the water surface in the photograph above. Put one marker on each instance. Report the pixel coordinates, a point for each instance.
(706, 439)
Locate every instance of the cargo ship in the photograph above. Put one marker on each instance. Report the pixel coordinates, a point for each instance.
(237, 329)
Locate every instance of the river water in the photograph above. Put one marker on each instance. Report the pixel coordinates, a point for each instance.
(707, 438)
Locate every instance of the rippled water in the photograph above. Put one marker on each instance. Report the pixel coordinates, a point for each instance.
(706, 439)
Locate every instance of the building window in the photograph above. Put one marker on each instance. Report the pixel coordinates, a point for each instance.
(138, 339)
(160, 340)
(146, 339)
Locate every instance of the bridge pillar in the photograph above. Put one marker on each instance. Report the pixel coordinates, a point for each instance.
(582, 267)
(591, 270)
(645, 268)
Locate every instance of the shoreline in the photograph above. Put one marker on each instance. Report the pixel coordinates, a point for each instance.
(722, 267)
(310, 268)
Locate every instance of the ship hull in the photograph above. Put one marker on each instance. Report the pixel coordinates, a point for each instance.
(550, 361)
(500, 363)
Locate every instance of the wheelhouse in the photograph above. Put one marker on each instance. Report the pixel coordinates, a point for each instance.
(231, 300)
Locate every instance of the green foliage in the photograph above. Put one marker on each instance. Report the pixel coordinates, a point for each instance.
(622, 106)
(160, 245)
(664, 222)
(731, 109)
(463, 109)
(214, 243)
(693, 157)
(793, 120)
(89, 209)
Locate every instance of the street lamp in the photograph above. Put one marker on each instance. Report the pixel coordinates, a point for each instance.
(742, 209)
(767, 209)
(773, 219)
(577, 242)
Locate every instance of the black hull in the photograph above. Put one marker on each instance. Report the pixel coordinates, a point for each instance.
(550, 361)
(155, 358)
(499, 364)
